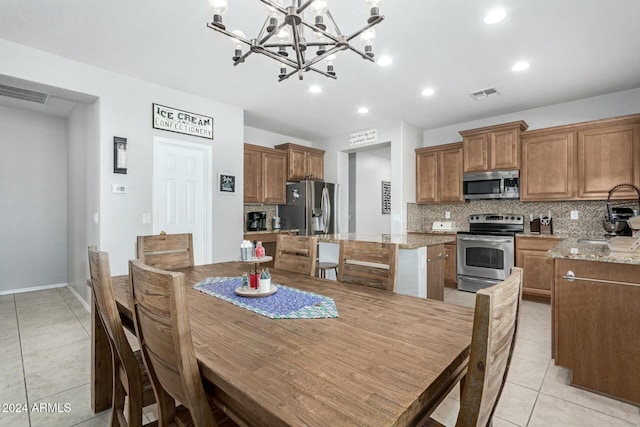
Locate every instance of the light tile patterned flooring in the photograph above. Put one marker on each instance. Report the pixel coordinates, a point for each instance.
(45, 358)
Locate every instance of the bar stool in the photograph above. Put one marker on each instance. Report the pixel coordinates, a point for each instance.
(324, 266)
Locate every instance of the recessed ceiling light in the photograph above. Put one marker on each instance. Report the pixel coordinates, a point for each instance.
(428, 92)
(363, 110)
(495, 16)
(385, 61)
(315, 89)
(519, 66)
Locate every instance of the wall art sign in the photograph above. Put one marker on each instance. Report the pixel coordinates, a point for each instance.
(226, 183)
(179, 121)
(386, 197)
(119, 155)
(364, 137)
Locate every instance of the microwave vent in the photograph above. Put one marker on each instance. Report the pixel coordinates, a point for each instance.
(485, 93)
(23, 94)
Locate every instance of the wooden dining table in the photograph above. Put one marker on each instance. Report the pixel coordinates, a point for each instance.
(387, 360)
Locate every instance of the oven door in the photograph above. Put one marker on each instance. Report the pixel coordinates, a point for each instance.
(488, 257)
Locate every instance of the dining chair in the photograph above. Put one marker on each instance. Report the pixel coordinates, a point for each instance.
(130, 379)
(495, 325)
(368, 263)
(166, 251)
(296, 253)
(161, 319)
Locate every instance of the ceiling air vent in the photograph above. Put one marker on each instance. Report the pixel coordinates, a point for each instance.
(486, 93)
(24, 94)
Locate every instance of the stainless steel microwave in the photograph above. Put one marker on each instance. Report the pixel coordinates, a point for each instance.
(491, 185)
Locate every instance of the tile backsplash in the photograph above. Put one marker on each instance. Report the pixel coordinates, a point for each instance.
(589, 224)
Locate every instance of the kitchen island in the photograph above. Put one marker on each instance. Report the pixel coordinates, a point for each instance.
(596, 318)
(421, 259)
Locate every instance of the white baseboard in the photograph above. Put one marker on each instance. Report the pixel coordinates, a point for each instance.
(79, 298)
(33, 288)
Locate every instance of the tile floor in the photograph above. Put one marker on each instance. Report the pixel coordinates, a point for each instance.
(45, 359)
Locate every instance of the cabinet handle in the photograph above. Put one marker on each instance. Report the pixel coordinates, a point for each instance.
(571, 276)
(441, 256)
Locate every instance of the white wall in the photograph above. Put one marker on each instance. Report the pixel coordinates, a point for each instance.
(33, 199)
(83, 193)
(597, 107)
(371, 170)
(270, 139)
(125, 110)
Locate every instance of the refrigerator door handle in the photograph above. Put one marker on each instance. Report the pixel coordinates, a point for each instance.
(327, 208)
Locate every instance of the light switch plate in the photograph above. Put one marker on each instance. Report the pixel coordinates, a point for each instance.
(575, 215)
(119, 189)
(447, 214)
(146, 218)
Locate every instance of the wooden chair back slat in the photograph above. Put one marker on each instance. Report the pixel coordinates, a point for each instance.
(166, 251)
(126, 366)
(296, 253)
(495, 326)
(368, 263)
(161, 320)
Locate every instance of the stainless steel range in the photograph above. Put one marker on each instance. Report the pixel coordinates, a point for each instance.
(486, 253)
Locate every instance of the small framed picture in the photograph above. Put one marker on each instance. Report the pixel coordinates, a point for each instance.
(119, 155)
(226, 183)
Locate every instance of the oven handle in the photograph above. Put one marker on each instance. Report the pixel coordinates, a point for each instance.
(467, 239)
(482, 280)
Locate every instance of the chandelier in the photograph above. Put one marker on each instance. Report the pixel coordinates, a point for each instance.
(283, 36)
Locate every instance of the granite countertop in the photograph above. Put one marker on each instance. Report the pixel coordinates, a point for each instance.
(282, 230)
(543, 236)
(572, 249)
(404, 241)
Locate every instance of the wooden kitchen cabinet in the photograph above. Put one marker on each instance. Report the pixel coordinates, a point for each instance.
(547, 171)
(492, 148)
(608, 155)
(264, 175)
(595, 326)
(581, 161)
(439, 174)
(435, 272)
(451, 265)
(531, 256)
(303, 162)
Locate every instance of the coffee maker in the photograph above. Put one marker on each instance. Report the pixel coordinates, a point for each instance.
(256, 221)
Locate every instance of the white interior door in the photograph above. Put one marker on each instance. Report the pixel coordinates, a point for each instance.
(182, 192)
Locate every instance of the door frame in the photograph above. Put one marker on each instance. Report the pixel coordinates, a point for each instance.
(159, 141)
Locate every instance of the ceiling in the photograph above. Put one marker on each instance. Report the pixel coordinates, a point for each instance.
(576, 50)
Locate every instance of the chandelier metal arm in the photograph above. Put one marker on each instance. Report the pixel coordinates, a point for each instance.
(324, 55)
(333, 22)
(307, 69)
(229, 34)
(361, 53)
(296, 45)
(302, 7)
(321, 31)
(281, 59)
(275, 6)
(272, 33)
(242, 58)
(365, 28)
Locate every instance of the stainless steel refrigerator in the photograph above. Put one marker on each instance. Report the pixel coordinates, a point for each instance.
(311, 208)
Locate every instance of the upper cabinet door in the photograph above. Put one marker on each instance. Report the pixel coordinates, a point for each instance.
(608, 156)
(297, 164)
(476, 155)
(547, 166)
(504, 150)
(450, 175)
(426, 176)
(315, 165)
(252, 175)
(274, 172)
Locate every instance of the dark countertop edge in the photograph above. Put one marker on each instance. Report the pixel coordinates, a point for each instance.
(282, 230)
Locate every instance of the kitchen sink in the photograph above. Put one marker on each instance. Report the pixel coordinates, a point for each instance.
(594, 241)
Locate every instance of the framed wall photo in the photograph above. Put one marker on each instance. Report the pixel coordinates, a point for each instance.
(226, 183)
(386, 197)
